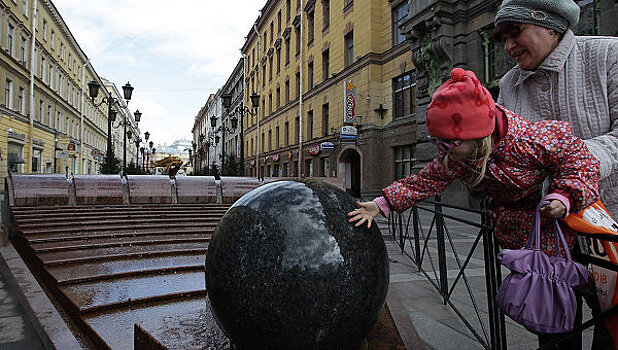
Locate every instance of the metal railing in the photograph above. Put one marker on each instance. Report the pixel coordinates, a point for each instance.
(413, 240)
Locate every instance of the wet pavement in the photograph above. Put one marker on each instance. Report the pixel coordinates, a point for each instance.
(15, 330)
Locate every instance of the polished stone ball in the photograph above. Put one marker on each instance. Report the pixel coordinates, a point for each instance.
(285, 270)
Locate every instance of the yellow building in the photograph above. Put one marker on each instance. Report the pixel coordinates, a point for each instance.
(336, 85)
(48, 123)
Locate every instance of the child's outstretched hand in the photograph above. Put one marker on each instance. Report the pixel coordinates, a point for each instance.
(554, 210)
(366, 212)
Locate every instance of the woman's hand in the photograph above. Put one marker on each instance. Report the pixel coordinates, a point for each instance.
(554, 210)
(366, 212)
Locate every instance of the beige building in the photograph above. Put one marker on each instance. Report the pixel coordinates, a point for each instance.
(48, 123)
(336, 85)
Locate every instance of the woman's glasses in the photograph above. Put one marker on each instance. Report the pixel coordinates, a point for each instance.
(444, 145)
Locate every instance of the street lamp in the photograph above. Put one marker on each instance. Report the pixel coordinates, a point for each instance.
(241, 110)
(93, 91)
(138, 140)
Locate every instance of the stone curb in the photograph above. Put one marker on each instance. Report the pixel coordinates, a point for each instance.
(40, 312)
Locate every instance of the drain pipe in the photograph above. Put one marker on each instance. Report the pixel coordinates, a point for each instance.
(81, 129)
(32, 67)
(257, 149)
(300, 100)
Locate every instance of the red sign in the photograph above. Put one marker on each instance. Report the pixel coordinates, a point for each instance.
(314, 150)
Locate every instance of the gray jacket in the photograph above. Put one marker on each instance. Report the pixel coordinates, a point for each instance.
(577, 82)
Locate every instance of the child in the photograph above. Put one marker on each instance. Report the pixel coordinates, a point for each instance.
(499, 153)
(496, 152)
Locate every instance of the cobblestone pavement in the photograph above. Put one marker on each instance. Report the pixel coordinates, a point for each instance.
(15, 330)
(436, 324)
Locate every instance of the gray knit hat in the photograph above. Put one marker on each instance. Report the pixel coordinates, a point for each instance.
(558, 15)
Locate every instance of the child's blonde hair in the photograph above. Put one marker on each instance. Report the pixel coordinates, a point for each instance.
(482, 149)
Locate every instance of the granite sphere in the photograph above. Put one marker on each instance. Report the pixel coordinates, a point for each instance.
(285, 270)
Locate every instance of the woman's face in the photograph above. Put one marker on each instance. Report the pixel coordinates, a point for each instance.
(531, 45)
(465, 151)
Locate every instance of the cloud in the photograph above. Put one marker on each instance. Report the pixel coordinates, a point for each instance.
(174, 53)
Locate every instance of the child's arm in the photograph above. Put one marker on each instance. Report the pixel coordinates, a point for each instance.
(575, 170)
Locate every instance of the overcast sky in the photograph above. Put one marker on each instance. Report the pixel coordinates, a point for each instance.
(174, 53)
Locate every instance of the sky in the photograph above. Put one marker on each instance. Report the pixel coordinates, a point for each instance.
(174, 53)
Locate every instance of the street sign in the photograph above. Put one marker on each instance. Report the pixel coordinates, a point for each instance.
(62, 154)
(71, 150)
(349, 132)
(327, 146)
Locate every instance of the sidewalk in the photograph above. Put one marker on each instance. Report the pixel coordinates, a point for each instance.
(436, 324)
(15, 330)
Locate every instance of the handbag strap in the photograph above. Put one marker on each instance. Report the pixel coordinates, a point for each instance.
(535, 233)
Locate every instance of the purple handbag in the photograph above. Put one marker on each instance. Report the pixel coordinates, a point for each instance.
(538, 292)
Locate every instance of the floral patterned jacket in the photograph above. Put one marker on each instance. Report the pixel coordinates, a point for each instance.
(516, 168)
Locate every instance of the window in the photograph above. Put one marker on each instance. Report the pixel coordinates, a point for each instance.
(279, 22)
(347, 2)
(20, 100)
(265, 41)
(310, 22)
(25, 7)
(270, 68)
(48, 118)
(297, 41)
(45, 30)
(53, 40)
(264, 76)
(298, 85)
(263, 107)
(297, 129)
(39, 117)
(278, 59)
(287, 91)
(309, 125)
(36, 161)
(15, 158)
(22, 50)
(277, 137)
(287, 50)
(288, 9)
(270, 140)
(325, 65)
(325, 119)
(286, 134)
(8, 93)
(272, 31)
(263, 141)
(404, 95)
(403, 161)
(324, 166)
(42, 68)
(310, 76)
(9, 40)
(278, 98)
(325, 14)
(270, 103)
(399, 15)
(309, 167)
(349, 49)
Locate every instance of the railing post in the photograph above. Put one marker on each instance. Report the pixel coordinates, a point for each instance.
(492, 281)
(441, 250)
(417, 237)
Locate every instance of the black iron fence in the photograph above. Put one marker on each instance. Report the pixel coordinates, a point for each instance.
(414, 238)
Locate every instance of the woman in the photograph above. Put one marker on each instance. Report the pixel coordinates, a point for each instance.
(562, 76)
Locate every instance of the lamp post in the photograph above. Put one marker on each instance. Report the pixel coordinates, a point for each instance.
(150, 152)
(201, 144)
(241, 110)
(143, 155)
(93, 90)
(194, 145)
(137, 141)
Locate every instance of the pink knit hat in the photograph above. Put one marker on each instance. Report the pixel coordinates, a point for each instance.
(461, 108)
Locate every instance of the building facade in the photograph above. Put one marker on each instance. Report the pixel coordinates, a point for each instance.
(337, 87)
(123, 116)
(48, 124)
(234, 87)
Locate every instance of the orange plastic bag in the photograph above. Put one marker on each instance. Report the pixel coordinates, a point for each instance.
(596, 220)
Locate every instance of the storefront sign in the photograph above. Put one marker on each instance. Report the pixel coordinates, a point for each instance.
(276, 158)
(327, 146)
(349, 103)
(62, 154)
(314, 150)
